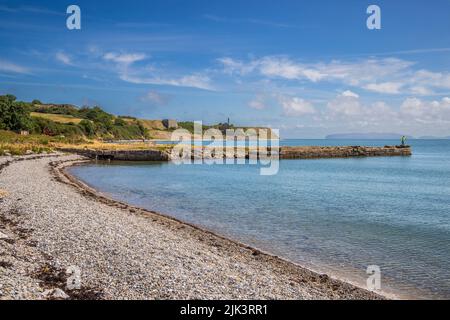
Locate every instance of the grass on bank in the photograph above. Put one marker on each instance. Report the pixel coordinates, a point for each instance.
(100, 145)
(15, 144)
(61, 118)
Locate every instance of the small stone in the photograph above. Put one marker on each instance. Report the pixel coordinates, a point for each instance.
(323, 278)
(3, 193)
(28, 152)
(3, 236)
(56, 294)
(7, 154)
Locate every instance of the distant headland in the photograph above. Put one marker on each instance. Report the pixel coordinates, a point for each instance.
(370, 135)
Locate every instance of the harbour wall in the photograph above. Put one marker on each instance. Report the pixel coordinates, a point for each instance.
(305, 152)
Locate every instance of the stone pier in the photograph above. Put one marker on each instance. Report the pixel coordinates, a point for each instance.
(306, 152)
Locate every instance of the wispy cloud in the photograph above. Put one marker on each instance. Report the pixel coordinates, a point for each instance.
(141, 25)
(190, 81)
(64, 58)
(386, 76)
(385, 87)
(30, 9)
(409, 52)
(9, 67)
(287, 68)
(150, 75)
(348, 93)
(215, 18)
(124, 58)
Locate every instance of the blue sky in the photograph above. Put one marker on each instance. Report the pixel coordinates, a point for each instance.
(308, 68)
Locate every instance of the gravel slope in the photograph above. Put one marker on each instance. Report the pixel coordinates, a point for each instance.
(49, 224)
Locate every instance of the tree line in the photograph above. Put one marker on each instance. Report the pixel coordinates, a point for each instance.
(96, 123)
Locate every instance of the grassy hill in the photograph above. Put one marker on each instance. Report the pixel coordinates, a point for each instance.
(66, 120)
(61, 118)
(50, 125)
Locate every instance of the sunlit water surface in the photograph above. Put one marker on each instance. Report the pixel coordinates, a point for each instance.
(333, 215)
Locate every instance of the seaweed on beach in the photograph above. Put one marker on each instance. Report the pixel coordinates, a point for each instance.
(23, 233)
(85, 294)
(5, 221)
(5, 264)
(50, 276)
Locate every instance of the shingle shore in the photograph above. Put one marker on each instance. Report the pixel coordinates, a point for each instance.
(50, 222)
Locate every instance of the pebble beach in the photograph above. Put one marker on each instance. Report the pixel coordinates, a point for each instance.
(54, 228)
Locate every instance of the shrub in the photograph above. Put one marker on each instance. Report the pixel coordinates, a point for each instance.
(14, 115)
(120, 122)
(87, 127)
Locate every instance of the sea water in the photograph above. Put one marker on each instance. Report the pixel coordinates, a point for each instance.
(336, 216)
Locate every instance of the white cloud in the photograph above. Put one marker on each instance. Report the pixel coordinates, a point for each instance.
(232, 66)
(426, 78)
(413, 115)
(192, 81)
(295, 107)
(426, 111)
(349, 110)
(349, 113)
(384, 76)
(124, 58)
(421, 90)
(149, 75)
(285, 68)
(64, 58)
(354, 73)
(385, 87)
(344, 105)
(10, 67)
(349, 93)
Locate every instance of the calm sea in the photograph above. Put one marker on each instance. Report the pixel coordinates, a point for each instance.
(333, 215)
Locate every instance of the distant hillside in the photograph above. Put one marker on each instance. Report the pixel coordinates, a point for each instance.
(69, 121)
(65, 121)
(361, 136)
(433, 138)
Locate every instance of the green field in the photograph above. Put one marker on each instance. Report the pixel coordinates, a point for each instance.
(61, 118)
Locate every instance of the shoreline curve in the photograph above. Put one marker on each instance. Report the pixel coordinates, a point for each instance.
(59, 169)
